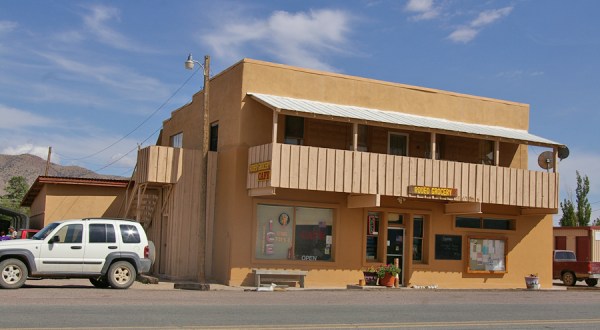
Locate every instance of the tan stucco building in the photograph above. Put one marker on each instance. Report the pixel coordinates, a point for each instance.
(57, 198)
(330, 174)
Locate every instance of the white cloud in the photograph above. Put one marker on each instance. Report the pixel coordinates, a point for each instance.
(490, 16)
(120, 79)
(15, 119)
(295, 38)
(467, 33)
(97, 21)
(424, 9)
(7, 26)
(28, 148)
(463, 34)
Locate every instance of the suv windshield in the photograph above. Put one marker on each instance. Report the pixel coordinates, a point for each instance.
(45, 231)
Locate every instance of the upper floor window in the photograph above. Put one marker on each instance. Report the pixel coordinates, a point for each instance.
(214, 136)
(294, 130)
(177, 140)
(398, 144)
(487, 152)
(363, 131)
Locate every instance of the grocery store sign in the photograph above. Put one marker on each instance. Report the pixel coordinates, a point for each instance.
(432, 191)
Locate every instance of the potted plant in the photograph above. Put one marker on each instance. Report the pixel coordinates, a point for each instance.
(532, 281)
(370, 274)
(387, 274)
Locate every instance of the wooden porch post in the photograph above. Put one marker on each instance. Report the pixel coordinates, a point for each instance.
(496, 152)
(433, 146)
(275, 122)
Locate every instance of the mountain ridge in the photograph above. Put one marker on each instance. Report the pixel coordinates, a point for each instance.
(31, 166)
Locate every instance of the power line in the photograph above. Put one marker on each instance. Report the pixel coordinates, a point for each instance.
(138, 126)
(130, 151)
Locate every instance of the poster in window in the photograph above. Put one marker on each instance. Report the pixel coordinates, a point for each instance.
(274, 232)
(372, 225)
(487, 255)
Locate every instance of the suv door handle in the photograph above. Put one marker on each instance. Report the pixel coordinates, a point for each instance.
(112, 247)
(76, 247)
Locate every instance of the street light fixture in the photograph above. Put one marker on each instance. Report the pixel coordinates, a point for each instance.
(189, 64)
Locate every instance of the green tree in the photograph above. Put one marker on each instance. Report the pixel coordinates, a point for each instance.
(15, 189)
(577, 214)
(568, 214)
(584, 209)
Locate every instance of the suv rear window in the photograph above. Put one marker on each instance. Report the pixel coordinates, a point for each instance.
(102, 233)
(130, 234)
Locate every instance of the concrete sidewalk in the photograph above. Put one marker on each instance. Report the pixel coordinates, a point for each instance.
(168, 285)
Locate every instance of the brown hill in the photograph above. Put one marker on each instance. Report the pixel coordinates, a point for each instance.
(30, 167)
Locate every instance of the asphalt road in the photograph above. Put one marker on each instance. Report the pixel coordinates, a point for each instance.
(74, 304)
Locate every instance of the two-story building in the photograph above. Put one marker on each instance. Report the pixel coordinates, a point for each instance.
(331, 173)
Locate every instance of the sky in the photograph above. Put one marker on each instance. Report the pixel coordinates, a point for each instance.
(95, 79)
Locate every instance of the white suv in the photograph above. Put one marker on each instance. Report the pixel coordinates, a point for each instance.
(110, 252)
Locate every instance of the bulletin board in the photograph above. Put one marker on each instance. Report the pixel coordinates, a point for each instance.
(487, 255)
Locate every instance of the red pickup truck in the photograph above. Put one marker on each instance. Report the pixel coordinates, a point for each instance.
(566, 268)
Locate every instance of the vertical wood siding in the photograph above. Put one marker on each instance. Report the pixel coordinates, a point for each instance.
(179, 218)
(321, 169)
(158, 164)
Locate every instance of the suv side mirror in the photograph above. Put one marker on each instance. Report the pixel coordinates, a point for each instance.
(54, 240)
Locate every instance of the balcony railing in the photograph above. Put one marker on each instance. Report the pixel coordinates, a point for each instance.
(312, 168)
(158, 164)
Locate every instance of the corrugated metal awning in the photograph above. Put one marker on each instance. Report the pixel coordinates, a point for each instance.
(348, 113)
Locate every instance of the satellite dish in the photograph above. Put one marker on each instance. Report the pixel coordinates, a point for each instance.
(546, 160)
(563, 152)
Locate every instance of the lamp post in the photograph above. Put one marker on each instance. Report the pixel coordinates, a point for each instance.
(189, 64)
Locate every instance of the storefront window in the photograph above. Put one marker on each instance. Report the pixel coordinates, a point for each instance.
(372, 235)
(313, 234)
(274, 232)
(294, 233)
(418, 239)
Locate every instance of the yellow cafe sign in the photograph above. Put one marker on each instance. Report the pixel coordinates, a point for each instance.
(263, 170)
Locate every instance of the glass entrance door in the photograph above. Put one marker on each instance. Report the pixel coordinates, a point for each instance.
(395, 249)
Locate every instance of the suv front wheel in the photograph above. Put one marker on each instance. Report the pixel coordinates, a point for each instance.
(13, 274)
(121, 275)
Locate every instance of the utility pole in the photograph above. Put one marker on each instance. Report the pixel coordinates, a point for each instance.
(48, 161)
(203, 192)
(202, 237)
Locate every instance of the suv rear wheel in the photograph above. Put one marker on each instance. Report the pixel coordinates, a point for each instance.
(121, 275)
(13, 274)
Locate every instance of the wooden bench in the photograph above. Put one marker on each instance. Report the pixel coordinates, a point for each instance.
(278, 275)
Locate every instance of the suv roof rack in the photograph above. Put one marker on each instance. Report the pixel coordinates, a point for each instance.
(109, 218)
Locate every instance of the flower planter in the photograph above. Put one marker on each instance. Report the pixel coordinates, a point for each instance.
(370, 278)
(387, 280)
(532, 282)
